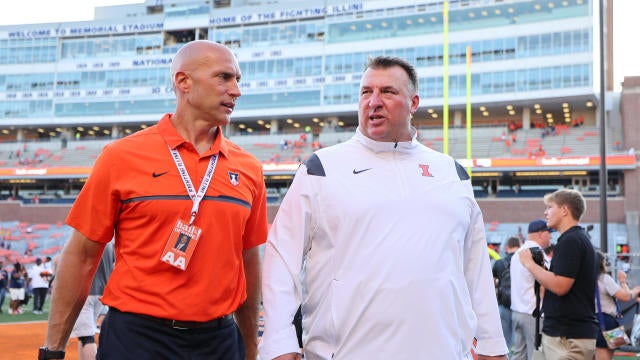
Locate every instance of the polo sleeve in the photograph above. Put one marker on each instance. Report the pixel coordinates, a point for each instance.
(94, 212)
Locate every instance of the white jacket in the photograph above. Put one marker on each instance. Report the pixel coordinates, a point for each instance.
(384, 246)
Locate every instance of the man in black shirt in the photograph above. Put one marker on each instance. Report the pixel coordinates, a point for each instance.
(569, 329)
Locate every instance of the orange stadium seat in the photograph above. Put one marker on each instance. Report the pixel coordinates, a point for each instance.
(51, 250)
(30, 236)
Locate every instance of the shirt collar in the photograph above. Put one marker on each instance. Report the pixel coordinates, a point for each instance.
(380, 146)
(174, 139)
(528, 243)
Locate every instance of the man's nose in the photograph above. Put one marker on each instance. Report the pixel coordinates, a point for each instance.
(235, 90)
(375, 100)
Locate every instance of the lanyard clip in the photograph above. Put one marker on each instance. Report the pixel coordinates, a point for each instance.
(193, 217)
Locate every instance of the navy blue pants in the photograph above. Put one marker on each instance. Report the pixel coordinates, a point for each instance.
(130, 336)
(39, 295)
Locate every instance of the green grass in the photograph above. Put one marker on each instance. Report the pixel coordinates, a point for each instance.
(27, 311)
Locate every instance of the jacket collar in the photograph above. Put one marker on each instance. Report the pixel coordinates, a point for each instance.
(379, 146)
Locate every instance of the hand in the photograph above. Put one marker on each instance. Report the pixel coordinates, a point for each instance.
(622, 276)
(290, 356)
(526, 258)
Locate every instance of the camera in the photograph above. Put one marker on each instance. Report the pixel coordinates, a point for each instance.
(537, 255)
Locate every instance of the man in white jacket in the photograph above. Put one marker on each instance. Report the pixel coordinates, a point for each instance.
(382, 242)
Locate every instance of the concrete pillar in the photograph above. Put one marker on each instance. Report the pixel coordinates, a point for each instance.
(65, 136)
(274, 127)
(115, 132)
(330, 124)
(457, 119)
(20, 135)
(66, 133)
(526, 118)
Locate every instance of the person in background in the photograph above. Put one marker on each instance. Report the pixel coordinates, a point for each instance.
(48, 265)
(4, 284)
(520, 235)
(523, 297)
(610, 292)
(85, 327)
(48, 269)
(180, 176)
(382, 242)
(17, 288)
(549, 251)
(502, 277)
(39, 281)
(569, 328)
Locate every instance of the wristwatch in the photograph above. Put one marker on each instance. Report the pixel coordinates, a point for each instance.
(44, 353)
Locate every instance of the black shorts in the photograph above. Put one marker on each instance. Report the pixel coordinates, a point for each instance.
(131, 336)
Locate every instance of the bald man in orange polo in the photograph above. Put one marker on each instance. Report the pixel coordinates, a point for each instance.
(178, 178)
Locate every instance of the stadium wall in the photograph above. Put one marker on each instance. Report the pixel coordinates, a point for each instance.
(35, 214)
(519, 210)
(501, 210)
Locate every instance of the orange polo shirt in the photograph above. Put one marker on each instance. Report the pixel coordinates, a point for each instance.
(135, 192)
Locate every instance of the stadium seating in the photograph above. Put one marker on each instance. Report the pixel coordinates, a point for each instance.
(486, 142)
(24, 242)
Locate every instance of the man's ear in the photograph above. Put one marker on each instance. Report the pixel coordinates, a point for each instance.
(415, 101)
(182, 81)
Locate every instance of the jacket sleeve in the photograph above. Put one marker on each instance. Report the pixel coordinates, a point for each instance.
(283, 259)
(480, 282)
